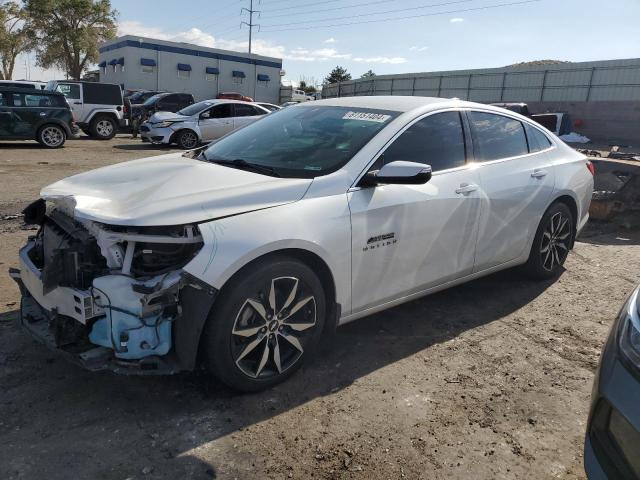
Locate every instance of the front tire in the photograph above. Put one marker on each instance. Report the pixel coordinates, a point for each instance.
(51, 136)
(187, 139)
(551, 245)
(103, 127)
(265, 324)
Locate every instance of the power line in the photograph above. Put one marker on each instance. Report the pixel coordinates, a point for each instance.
(298, 6)
(409, 17)
(397, 10)
(342, 7)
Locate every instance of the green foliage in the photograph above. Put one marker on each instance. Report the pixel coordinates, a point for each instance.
(368, 74)
(68, 32)
(336, 75)
(15, 37)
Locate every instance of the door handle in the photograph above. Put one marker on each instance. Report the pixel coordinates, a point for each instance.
(467, 188)
(77, 103)
(539, 173)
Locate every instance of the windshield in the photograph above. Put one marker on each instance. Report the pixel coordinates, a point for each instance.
(302, 142)
(195, 108)
(151, 100)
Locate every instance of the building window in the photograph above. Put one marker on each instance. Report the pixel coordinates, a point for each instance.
(263, 83)
(238, 77)
(147, 69)
(238, 80)
(263, 80)
(184, 73)
(211, 77)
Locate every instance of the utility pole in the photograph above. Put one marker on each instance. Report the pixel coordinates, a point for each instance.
(251, 11)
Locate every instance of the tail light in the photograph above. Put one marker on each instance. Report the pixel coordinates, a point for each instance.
(591, 168)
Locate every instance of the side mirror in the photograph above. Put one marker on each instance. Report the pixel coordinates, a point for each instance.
(205, 115)
(399, 172)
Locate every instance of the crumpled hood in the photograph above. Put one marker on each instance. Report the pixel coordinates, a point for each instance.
(169, 190)
(162, 116)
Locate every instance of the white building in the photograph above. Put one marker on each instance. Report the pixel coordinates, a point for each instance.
(145, 63)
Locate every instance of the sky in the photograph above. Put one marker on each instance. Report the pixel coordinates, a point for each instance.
(388, 36)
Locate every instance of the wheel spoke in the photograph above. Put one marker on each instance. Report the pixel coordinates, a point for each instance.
(293, 341)
(562, 246)
(272, 296)
(250, 348)
(276, 355)
(546, 258)
(564, 236)
(263, 360)
(258, 307)
(292, 295)
(299, 305)
(247, 332)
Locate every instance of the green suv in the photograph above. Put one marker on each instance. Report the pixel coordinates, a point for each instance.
(28, 114)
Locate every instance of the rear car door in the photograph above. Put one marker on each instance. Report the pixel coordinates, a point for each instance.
(73, 94)
(517, 179)
(216, 121)
(245, 114)
(26, 116)
(408, 238)
(6, 115)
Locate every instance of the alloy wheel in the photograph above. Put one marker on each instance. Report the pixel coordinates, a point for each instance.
(104, 128)
(188, 140)
(555, 243)
(52, 136)
(271, 329)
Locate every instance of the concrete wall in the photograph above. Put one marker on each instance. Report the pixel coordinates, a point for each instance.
(603, 122)
(167, 55)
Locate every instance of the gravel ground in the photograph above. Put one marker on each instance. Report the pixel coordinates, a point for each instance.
(488, 380)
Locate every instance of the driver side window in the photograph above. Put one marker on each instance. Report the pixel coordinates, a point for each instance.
(437, 140)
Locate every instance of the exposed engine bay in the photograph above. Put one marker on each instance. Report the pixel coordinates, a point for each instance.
(107, 292)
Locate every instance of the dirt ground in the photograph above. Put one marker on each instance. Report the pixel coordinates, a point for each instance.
(488, 380)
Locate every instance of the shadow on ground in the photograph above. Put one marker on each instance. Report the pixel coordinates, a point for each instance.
(89, 423)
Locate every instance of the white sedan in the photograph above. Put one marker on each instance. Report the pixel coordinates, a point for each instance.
(201, 122)
(319, 214)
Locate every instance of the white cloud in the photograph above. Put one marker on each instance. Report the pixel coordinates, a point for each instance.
(388, 60)
(418, 49)
(261, 47)
(456, 20)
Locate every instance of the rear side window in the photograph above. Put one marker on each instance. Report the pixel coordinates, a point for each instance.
(3, 100)
(70, 90)
(496, 136)
(537, 140)
(437, 140)
(244, 110)
(102, 93)
(43, 101)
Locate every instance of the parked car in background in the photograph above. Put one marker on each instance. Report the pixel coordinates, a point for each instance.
(242, 255)
(32, 114)
(558, 123)
(288, 104)
(521, 108)
(612, 442)
(161, 102)
(233, 96)
(98, 108)
(137, 97)
(23, 84)
(269, 106)
(200, 122)
(299, 96)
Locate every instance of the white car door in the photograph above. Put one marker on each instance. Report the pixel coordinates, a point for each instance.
(408, 238)
(246, 114)
(216, 122)
(73, 94)
(517, 179)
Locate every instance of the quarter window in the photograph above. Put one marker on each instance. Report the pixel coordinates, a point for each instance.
(537, 140)
(437, 140)
(496, 136)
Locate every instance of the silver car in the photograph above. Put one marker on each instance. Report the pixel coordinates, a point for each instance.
(201, 122)
(317, 215)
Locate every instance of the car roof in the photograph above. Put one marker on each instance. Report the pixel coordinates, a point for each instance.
(403, 104)
(31, 91)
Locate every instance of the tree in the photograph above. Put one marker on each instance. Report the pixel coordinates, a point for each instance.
(68, 32)
(303, 85)
(338, 74)
(368, 74)
(15, 37)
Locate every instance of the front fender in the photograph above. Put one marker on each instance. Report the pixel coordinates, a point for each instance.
(321, 226)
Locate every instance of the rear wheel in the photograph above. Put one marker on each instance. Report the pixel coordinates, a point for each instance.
(103, 127)
(552, 242)
(265, 324)
(187, 139)
(51, 136)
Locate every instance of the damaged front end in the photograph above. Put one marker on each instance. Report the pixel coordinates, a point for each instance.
(112, 297)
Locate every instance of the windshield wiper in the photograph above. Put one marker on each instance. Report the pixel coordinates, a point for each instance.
(244, 165)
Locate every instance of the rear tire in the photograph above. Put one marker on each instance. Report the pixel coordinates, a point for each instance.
(103, 127)
(187, 139)
(265, 324)
(551, 245)
(51, 136)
